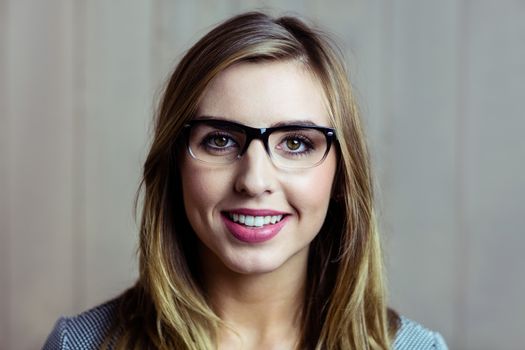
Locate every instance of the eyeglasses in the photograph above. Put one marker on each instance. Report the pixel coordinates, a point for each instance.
(289, 146)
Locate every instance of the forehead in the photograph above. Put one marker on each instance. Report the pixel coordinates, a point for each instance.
(263, 94)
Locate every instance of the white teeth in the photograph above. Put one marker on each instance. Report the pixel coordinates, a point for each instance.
(256, 221)
(259, 221)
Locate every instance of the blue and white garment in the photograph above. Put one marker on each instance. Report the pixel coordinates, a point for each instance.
(87, 331)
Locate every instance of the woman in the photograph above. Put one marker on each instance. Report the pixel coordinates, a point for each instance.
(258, 226)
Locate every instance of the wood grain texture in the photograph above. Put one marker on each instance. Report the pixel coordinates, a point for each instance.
(495, 158)
(78, 119)
(5, 125)
(117, 112)
(40, 108)
(419, 178)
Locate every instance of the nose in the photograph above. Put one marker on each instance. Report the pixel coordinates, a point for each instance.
(256, 172)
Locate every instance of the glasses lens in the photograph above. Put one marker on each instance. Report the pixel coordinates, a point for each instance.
(215, 143)
(297, 148)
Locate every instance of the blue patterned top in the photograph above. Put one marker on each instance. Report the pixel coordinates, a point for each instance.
(87, 331)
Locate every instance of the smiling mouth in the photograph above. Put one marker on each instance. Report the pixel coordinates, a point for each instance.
(254, 221)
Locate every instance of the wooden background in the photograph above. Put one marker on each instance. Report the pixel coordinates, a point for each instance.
(441, 85)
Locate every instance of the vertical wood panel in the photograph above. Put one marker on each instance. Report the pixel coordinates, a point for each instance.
(4, 179)
(79, 150)
(177, 26)
(118, 108)
(40, 86)
(272, 7)
(462, 329)
(495, 174)
(419, 178)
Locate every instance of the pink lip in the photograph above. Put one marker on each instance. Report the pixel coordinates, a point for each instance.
(255, 212)
(254, 234)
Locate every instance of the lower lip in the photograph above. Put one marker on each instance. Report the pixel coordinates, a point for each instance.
(253, 234)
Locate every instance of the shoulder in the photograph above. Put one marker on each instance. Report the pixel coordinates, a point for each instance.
(412, 335)
(84, 331)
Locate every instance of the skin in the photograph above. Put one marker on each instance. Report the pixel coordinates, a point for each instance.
(258, 288)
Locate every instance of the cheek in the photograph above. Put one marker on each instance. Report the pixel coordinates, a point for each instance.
(202, 189)
(310, 193)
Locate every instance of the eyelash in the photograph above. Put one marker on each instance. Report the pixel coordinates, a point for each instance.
(206, 140)
(304, 140)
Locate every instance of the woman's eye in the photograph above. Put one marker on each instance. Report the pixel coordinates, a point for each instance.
(293, 144)
(220, 141)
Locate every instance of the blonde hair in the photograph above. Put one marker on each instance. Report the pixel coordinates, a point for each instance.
(344, 305)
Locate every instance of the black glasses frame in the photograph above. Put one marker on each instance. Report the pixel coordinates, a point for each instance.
(262, 134)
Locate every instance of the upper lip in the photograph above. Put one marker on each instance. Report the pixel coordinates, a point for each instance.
(255, 212)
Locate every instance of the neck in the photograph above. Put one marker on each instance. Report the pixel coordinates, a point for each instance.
(259, 309)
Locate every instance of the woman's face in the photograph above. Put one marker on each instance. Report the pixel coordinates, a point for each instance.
(259, 95)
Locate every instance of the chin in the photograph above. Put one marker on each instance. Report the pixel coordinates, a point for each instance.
(253, 266)
(267, 261)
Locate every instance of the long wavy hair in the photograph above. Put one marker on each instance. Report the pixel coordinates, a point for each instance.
(344, 299)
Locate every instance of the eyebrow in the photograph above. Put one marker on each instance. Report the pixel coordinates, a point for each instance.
(299, 122)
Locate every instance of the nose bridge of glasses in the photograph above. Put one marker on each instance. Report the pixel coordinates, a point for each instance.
(260, 134)
(255, 159)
